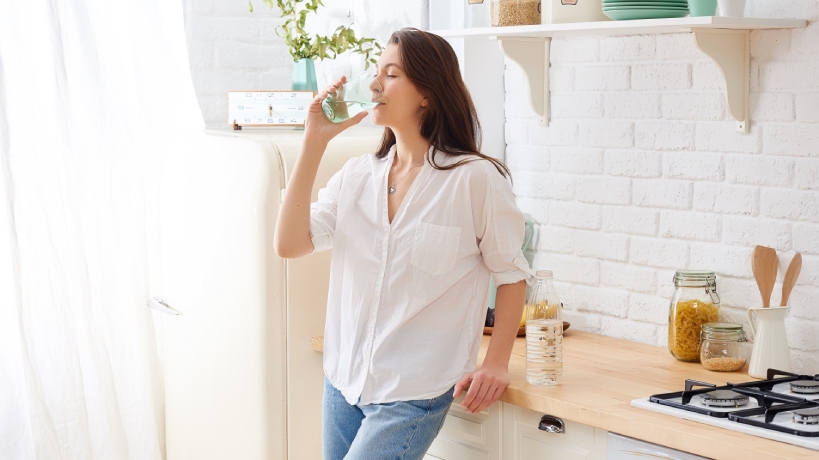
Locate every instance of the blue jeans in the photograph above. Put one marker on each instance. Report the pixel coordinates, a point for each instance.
(401, 430)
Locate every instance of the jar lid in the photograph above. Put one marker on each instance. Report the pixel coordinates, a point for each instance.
(722, 327)
(722, 332)
(543, 274)
(694, 278)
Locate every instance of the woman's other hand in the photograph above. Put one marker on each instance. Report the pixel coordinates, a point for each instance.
(488, 382)
(317, 127)
(485, 387)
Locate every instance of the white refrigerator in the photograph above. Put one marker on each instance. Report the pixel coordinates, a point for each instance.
(241, 378)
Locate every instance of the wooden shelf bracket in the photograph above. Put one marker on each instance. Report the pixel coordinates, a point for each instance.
(731, 50)
(532, 55)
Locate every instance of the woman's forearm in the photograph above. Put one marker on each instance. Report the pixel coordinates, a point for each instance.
(292, 237)
(509, 302)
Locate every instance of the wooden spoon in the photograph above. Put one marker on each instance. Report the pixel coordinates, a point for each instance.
(790, 278)
(765, 265)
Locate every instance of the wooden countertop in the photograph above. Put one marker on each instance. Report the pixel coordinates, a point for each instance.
(602, 375)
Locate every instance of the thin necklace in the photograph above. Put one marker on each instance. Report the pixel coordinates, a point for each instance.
(392, 187)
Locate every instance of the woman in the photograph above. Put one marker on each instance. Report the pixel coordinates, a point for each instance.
(416, 230)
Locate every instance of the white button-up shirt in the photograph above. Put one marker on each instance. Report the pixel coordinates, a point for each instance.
(407, 299)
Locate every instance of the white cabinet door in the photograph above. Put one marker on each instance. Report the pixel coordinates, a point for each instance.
(522, 440)
(447, 449)
(466, 436)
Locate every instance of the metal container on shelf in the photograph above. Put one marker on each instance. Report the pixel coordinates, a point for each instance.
(515, 12)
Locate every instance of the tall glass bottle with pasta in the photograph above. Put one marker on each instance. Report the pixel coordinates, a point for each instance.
(694, 303)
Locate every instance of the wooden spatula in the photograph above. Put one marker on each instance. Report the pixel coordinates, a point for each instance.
(790, 278)
(765, 265)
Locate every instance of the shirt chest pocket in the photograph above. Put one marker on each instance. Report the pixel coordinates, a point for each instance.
(435, 248)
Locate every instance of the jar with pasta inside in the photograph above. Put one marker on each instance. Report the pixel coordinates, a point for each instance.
(514, 12)
(695, 302)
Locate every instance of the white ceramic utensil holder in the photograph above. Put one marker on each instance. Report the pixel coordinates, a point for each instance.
(771, 350)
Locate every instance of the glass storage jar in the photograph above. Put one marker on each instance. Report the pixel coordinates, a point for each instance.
(477, 13)
(723, 347)
(694, 303)
(514, 12)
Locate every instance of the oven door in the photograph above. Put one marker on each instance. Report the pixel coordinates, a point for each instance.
(623, 448)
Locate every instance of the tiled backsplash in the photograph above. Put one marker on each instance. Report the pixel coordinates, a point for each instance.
(641, 173)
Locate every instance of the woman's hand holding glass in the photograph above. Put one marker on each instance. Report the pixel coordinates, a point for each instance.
(317, 128)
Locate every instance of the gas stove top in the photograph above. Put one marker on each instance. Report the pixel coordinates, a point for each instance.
(784, 407)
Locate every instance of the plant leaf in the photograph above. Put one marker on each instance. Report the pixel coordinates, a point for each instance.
(302, 45)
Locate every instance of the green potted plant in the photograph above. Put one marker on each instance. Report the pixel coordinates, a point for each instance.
(305, 48)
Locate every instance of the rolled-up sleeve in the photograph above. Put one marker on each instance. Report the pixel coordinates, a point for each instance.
(501, 231)
(323, 213)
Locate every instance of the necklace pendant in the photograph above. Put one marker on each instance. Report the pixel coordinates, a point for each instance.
(392, 189)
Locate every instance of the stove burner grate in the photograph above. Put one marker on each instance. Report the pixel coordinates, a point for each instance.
(723, 398)
(806, 416)
(805, 387)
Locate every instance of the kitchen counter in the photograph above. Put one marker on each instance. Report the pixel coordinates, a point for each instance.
(602, 375)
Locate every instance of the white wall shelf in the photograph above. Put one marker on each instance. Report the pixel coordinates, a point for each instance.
(726, 40)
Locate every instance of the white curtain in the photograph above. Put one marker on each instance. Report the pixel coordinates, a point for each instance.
(92, 93)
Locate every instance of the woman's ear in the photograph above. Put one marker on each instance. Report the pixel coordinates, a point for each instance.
(424, 103)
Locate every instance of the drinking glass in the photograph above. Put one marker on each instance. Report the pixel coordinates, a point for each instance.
(732, 8)
(357, 95)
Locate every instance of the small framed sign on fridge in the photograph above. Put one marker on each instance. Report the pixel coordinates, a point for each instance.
(268, 108)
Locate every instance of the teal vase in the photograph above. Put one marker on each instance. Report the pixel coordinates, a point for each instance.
(304, 75)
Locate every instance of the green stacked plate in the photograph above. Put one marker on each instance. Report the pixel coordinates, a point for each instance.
(644, 9)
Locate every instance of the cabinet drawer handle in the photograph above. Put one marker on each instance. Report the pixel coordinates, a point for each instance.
(160, 305)
(551, 424)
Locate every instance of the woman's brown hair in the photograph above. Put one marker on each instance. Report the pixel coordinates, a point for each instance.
(450, 122)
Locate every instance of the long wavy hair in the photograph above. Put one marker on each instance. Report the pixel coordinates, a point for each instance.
(450, 122)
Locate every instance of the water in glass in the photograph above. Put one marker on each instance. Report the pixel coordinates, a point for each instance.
(357, 95)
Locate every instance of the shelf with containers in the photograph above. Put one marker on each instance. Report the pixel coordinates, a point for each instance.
(726, 40)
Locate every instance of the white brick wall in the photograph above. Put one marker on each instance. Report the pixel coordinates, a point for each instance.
(632, 163)
(229, 49)
(641, 173)
(662, 193)
(632, 105)
(604, 190)
(660, 76)
(690, 225)
(693, 166)
(577, 160)
(664, 136)
(629, 220)
(232, 49)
